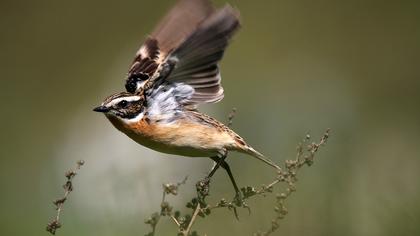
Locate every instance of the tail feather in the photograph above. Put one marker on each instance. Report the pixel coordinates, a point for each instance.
(249, 150)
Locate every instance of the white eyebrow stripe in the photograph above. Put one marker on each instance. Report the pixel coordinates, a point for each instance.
(128, 99)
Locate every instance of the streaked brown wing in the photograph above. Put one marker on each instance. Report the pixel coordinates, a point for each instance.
(186, 48)
(171, 32)
(194, 63)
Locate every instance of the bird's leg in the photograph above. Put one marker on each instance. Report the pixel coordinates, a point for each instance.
(220, 161)
(217, 163)
(238, 200)
(203, 185)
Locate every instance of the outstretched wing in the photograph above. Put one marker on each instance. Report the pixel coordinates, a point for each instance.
(169, 34)
(196, 60)
(188, 55)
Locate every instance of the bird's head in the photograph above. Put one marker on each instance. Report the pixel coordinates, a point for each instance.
(124, 106)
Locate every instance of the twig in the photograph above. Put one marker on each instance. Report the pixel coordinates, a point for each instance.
(231, 116)
(55, 224)
(175, 221)
(289, 177)
(165, 207)
(197, 210)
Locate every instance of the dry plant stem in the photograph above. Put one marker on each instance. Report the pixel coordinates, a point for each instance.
(286, 175)
(162, 210)
(175, 221)
(197, 210)
(165, 207)
(231, 116)
(54, 224)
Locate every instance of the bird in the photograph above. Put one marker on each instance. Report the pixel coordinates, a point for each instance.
(175, 70)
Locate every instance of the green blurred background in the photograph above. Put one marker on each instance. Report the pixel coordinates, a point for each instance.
(295, 66)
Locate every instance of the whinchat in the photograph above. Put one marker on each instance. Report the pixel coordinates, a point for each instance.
(174, 71)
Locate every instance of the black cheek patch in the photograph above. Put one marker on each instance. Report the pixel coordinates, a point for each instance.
(132, 113)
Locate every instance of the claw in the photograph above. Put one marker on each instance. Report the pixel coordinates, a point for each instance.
(240, 202)
(247, 207)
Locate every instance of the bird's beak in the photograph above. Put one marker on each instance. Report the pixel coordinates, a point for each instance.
(102, 109)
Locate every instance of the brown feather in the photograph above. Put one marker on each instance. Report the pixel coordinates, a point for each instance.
(201, 52)
(180, 22)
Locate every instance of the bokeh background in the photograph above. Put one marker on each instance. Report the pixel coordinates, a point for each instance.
(295, 67)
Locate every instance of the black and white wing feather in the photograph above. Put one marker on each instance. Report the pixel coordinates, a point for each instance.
(170, 33)
(185, 50)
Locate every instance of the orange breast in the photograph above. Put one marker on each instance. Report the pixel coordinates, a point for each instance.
(182, 137)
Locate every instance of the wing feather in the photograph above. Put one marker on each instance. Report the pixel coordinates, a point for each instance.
(185, 49)
(179, 23)
(199, 55)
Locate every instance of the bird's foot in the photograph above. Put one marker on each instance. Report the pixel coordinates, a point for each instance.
(239, 201)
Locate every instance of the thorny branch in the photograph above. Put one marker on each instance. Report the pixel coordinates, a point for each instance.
(306, 151)
(54, 224)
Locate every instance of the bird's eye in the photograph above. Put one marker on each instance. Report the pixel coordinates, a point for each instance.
(123, 103)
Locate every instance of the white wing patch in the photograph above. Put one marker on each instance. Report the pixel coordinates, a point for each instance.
(140, 85)
(142, 52)
(168, 100)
